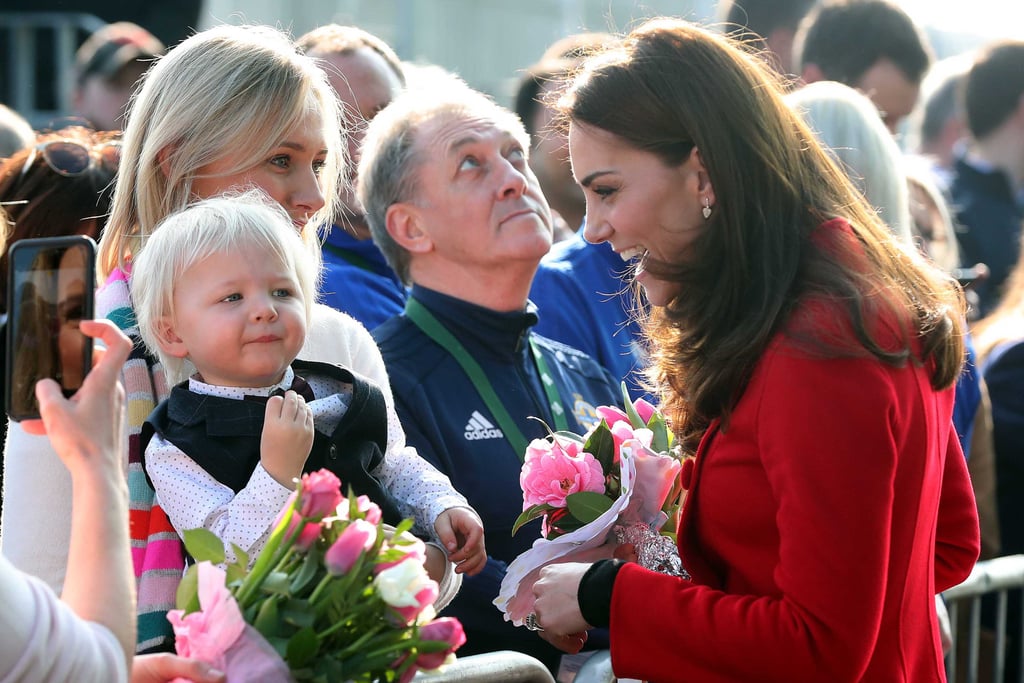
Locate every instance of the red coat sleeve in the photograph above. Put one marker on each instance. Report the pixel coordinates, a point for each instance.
(855, 457)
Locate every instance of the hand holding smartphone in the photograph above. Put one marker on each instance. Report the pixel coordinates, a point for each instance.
(50, 290)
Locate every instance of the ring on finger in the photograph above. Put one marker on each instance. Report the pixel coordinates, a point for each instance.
(532, 623)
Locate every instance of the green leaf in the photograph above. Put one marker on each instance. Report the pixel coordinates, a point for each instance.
(204, 546)
(601, 445)
(531, 513)
(627, 403)
(586, 506)
(187, 597)
(297, 613)
(570, 436)
(307, 572)
(662, 440)
(268, 620)
(241, 557)
(277, 583)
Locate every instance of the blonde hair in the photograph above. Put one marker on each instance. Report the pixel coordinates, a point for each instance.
(229, 90)
(218, 225)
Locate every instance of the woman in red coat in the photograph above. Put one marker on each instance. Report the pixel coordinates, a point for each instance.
(810, 356)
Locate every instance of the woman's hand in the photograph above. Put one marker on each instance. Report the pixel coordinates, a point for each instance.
(557, 606)
(161, 668)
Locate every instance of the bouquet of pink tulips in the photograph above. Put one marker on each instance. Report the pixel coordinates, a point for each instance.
(618, 483)
(333, 596)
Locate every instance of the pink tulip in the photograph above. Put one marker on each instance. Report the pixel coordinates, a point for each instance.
(425, 597)
(357, 538)
(371, 511)
(553, 470)
(611, 414)
(444, 630)
(415, 550)
(320, 494)
(644, 409)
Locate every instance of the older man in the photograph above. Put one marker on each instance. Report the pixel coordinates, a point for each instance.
(454, 206)
(366, 74)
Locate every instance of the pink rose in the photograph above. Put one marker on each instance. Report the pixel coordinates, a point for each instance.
(208, 633)
(357, 538)
(444, 630)
(320, 494)
(553, 470)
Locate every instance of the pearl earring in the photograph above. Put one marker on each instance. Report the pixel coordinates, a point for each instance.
(707, 209)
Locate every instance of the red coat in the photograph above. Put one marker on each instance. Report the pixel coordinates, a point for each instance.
(818, 530)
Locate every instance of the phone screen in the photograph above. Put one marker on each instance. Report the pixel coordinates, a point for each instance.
(50, 291)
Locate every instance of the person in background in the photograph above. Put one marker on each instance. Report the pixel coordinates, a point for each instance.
(828, 500)
(107, 66)
(15, 132)
(578, 288)
(933, 230)
(937, 127)
(848, 125)
(88, 633)
(366, 74)
(549, 155)
(871, 45)
(59, 184)
(770, 24)
(987, 188)
(999, 338)
(453, 204)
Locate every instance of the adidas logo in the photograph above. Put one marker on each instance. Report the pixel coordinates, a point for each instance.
(479, 428)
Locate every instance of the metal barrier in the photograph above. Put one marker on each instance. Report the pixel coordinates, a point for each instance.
(505, 666)
(36, 40)
(994, 579)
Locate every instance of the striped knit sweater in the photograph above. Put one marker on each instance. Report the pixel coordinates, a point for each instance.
(157, 552)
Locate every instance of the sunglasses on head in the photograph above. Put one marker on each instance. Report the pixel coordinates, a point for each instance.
(69, 158)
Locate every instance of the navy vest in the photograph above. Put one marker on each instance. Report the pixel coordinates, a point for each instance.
(222, 435)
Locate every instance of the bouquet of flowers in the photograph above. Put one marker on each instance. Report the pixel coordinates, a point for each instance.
(333, 596)
(619, 483)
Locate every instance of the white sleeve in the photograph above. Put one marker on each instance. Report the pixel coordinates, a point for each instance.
(44, 640)
(193, 499)
(422, 491)
(36, 505)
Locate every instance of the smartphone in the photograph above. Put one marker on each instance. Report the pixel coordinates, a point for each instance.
(50, 290)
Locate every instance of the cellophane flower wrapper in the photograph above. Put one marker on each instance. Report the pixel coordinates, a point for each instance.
(646, 478)
(332, 596)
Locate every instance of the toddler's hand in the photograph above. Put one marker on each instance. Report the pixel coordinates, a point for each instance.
(287, 437)
(462, 533)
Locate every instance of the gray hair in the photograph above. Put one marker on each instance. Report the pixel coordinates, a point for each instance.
(849, 125)
(391, 154)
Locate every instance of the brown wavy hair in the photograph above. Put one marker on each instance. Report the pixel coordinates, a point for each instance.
(40, 202)
(669, 87)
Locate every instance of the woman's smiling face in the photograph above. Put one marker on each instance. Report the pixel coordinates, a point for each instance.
(643, 207)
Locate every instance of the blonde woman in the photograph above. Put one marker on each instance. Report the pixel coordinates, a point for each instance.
(229, 108)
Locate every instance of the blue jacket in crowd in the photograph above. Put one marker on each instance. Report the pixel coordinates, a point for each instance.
(449, 424)
(583, 302)
(358, 279)
(989, 220)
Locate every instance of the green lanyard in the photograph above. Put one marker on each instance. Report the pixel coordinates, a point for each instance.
(433, 328)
